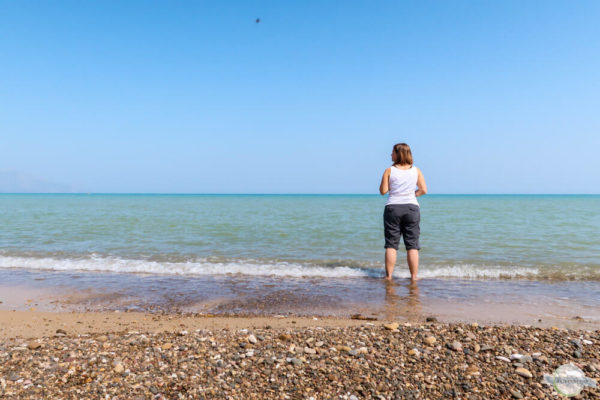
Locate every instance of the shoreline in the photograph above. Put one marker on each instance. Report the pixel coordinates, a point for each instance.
(488, 303)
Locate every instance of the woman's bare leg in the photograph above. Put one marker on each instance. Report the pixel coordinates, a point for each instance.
(390, 261)
(412, 258)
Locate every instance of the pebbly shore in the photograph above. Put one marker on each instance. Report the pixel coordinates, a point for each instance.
(371, 360)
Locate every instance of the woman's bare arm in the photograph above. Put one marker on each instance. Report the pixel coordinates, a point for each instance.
(421, 185)
(385, 182)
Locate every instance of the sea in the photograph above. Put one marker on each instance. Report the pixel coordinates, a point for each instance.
(304, 254)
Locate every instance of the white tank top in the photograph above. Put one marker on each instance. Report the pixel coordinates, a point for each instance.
(403, 183)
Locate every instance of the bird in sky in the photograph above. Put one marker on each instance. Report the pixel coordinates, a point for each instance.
(257, 20)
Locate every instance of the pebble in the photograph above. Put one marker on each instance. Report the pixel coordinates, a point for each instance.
(524, 372)
(431, 319)
(297, 362)
(391, 327)
(516, 394)
(430, 340)
(414, 352)
(472, 370)
(456, 346)
(34, 345)
(252, 339)
(502, 358)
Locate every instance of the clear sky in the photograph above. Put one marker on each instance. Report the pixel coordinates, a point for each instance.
(195, 97)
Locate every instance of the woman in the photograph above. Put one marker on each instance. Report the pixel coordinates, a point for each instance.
(402, 214)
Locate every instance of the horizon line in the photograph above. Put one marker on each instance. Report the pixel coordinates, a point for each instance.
(291, 194)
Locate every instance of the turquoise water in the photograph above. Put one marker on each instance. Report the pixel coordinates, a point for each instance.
(463, 237)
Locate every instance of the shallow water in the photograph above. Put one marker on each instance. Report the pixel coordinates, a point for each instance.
(302, 254)
(513, 237)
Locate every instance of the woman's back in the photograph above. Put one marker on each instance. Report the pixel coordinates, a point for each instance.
(403, 183)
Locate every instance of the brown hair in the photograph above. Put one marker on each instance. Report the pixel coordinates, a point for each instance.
(403, 154)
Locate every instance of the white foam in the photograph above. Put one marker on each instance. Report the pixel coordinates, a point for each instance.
(115, 264)
(253, 268)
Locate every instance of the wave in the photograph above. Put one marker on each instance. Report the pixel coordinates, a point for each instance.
(203, 267)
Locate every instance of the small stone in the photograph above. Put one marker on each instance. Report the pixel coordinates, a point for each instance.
(167, 346)
(252, 339)
(183, 333)
(524, 372)
(516, 394)
(343, 348)
(476, 348)
(285, 337)
(308, 350)
(391, 327)
(353, 352)
(102, 338)
(13, 377)
(153, 389)
(431, 319)
(61, 332)
(456, 346)
(297, 362)
(414, 352)
(502, 358)
(542, 358)
(472, 370)
(430, 340)
(34, 345)
(577, 354)
(119, 368)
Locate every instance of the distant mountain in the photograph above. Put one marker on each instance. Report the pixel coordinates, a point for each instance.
(18, 182)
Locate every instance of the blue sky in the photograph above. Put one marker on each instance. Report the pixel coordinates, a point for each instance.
(195, 97)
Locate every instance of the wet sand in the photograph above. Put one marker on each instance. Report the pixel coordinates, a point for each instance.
(29, 312)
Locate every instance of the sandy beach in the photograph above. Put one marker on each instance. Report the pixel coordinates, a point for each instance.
(50, 350)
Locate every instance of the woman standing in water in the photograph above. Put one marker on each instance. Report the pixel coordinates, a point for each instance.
(402, 215)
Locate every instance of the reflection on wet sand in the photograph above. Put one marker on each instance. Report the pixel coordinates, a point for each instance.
(407, 306)
(530, 302)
